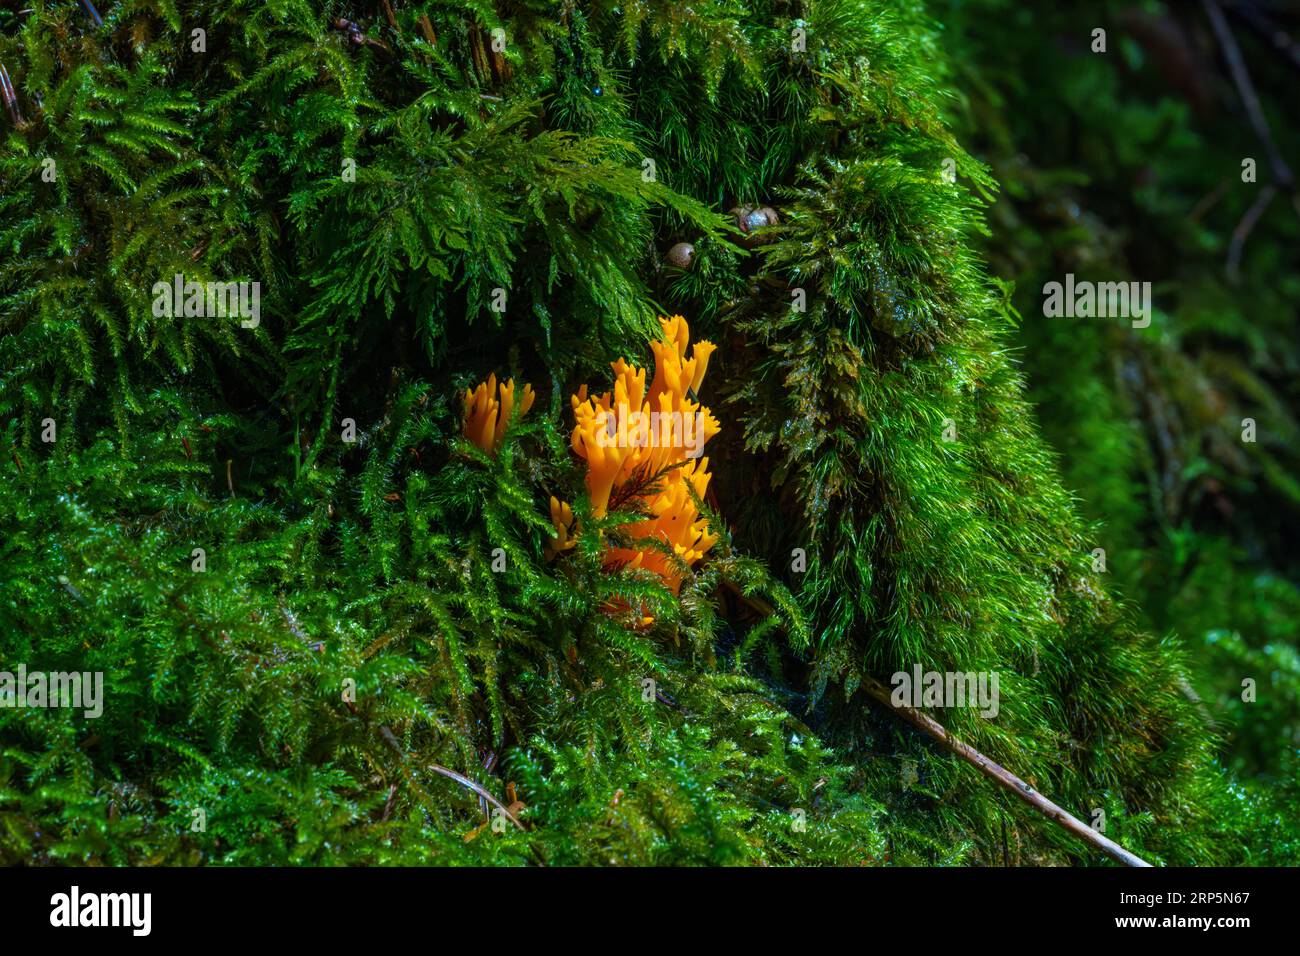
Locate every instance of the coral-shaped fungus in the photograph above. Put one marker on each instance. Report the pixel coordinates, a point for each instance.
(642, 450)
(487, 414)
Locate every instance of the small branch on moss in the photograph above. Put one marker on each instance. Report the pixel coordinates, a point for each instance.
(1243, 230)
(995, 772)
(1255, 113)
(1002, 777)
(1208, 201)
(391, 739)
(1267, 30)
(10, 96)
(481, 791)
(640, 484)
(89, 10)
(427, 29)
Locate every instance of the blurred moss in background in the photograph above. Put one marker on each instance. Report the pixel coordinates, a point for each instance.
(1129, 165)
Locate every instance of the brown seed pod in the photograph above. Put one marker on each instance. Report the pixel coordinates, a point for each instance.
(681, 255)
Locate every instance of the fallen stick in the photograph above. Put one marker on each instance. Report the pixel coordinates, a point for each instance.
(89, 9)
(10, 96)
(998, 774)
(1001, 776)
(391, 739)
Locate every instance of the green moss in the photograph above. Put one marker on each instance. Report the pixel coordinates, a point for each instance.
(333, 565)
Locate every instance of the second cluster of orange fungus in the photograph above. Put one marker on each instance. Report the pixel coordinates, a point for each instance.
(562, 518)
(488, 409)
(642, 448)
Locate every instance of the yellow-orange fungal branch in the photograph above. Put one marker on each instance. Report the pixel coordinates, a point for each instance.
(562, 519)
(488, 409)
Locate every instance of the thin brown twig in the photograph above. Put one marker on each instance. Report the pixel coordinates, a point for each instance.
(391, 739)
(1246, 89)
(640, 484)
(1263, 25)
(1207, 202)
(10, 96)
(427, 29)
(1255, 112)
(89, 10)
(467, 782)
(1001, 776)
(995, 772)
(1237, 244)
